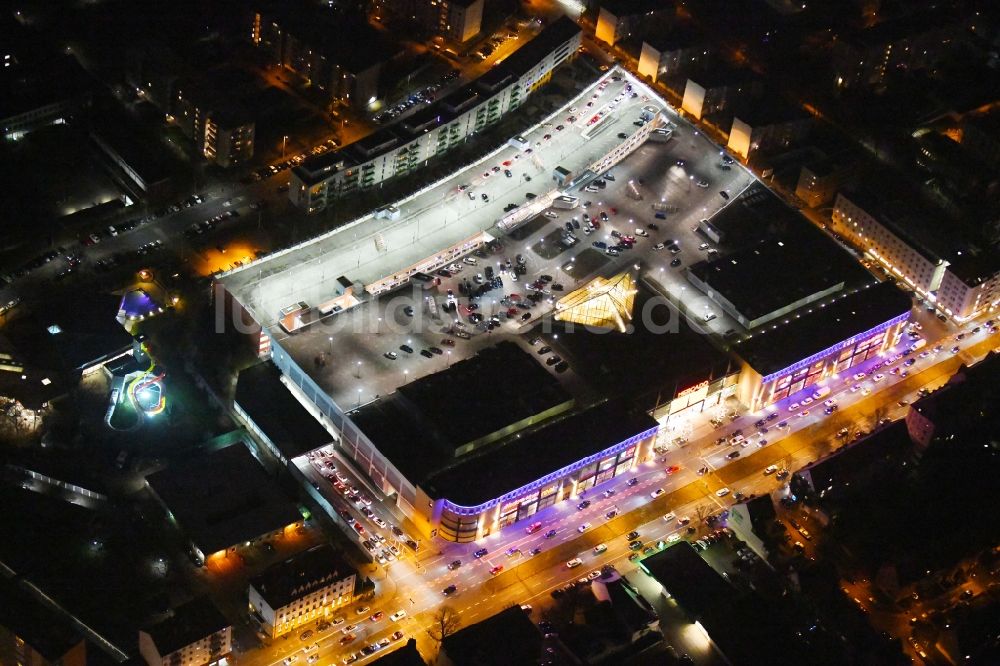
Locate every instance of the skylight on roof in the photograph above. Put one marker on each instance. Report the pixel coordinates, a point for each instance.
(54, 329)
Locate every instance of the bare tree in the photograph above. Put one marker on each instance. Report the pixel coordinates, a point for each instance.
(444, 623)
(879, 413)
(702, 512)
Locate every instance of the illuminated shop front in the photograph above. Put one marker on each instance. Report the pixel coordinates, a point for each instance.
(829, 363)
(455, 522)
(699, 397)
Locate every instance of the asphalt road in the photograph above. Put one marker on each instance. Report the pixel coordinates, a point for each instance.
(416, 584)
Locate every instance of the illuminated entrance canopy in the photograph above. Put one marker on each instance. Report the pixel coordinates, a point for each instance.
(602, 303)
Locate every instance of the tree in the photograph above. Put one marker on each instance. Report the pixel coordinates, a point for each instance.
(444, 623)
(880, 412)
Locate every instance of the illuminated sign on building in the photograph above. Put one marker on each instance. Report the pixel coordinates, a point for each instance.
(691, 389)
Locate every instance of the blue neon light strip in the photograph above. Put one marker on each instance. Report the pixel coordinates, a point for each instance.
(837, 347)
(534, 485)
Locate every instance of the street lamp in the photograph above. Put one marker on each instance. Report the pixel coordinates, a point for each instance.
(357, 373)
(331, 344)
(284, 139)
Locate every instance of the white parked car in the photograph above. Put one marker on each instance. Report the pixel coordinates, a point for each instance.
(583, 528)
(398, 615)
(575, 562)
(722, 492)
(669, 516)
(656, 493)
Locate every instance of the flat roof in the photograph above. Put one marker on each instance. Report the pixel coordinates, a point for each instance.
(823, 326)
(272, 407)
(770, 109)
(523, 389)
(722, 74)
(905, 27)
(758, 220)
(480, 643)
(188, 623)
(527, 457)
(442, 111)
(778, 271)
(696, 586)
(345, 40)
(142, 152)
(368, 249)
(659, 356)
(965, 398)
(223, 498)
(675, 35)
(406, 655)
(300, 574)
(858, 458)
(69, 334)
(968, 253)
(526, 58)
(630, 7)
(46, 631)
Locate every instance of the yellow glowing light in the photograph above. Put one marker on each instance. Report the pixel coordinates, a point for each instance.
(602, 303)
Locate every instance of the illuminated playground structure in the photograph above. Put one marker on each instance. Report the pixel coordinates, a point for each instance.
(147, 392)
(136, 389)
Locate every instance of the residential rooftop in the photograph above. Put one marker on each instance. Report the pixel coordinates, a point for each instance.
(889, 444)
(633, 7)
(745, 627)
(354, 44)
(906, 27)
(444, 110)
(967, 398)
(406, 655)
(721, 74)
(223, 498)
(284, 582)
(930, 233)
(261, 394)
(526, 58)
(480, 643)
(822, 326)
(689, 579)
(674, 36)
(770, 109)
(188, 623)
(47, 632)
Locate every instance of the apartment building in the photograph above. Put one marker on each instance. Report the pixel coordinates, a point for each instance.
(195, 634)
(337, 61)
(719, 88)
(868, 56)
(302, 589)
(457, 20)
(950, 268)
(621, 19)
(223, 131)
(888, 237)
(678, 51)
(767, 125)
(403, 148)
